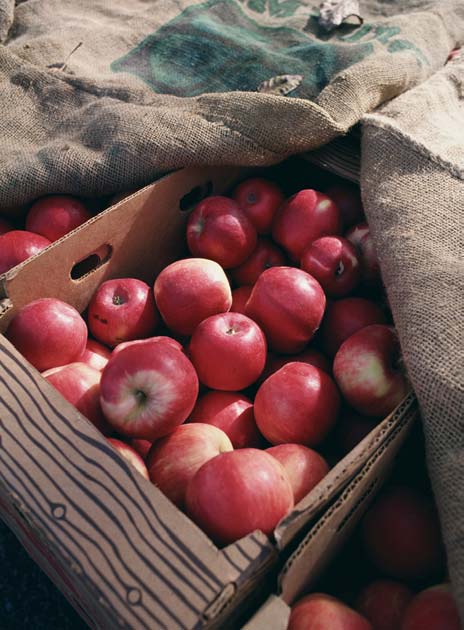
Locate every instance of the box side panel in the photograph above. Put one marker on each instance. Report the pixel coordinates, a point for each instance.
(134, 552)
(339, 475)
(333, 529)
(273, 615)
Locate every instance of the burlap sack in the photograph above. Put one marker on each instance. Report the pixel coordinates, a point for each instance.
(164, 84)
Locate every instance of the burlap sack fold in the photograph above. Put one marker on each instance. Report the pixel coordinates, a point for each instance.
(98, 97)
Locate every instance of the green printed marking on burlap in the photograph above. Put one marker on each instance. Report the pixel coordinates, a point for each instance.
(216, 46)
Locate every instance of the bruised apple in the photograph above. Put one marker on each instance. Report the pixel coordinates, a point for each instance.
(48, 332)
(288, 304)
(190, 290)
(130, 455)
(232, 412)
(259, 199)
(122, 309)
(228, 351)
(218, 229)
(238, 492)
(304, 467)
(366, 369)
(80, 385)
(307, 411)
(173, 460)
(147, 390)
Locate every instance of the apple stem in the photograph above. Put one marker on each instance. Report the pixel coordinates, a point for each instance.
(117, 300)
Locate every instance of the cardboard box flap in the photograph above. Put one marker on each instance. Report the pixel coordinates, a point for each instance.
(311, 556)
(273, 615)
(337, 477)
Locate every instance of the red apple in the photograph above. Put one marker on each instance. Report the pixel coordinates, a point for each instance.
(188, 291)
(383, 603)
(312, 357)
(80, 385)
(332, 260)
(228, 351)
(366, 370)
(304, 467)
(147, 390)
(122, 309)
(298, 404)
(142, 447)
(240, 297)
(159, 339)
(174, 460)
(401, 534)
(236, 493)
(432, 609)
(288, 304)
(306, 216)
(49, 333)
(323, 612)
(5, 226)
(259, 199)
(348, 200)
(219, 230)
(264, 256)
(19, 245)
(360, 237)
(130, 455)
(351, 429)
(96, 355)
(55, 216)
(345, 317)
(232, 413)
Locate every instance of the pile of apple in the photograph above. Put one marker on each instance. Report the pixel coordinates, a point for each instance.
(293, 351)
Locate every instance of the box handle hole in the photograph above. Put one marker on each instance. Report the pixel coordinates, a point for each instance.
(190, 199)
(92, 262)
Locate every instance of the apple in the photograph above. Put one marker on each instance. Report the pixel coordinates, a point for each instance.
(228, 351)
(96, 355)
(130, 455)
(324, 612)
(351, 429)
(236, 493)
(48, 333)
(240, 297)
(5, 226)
(122, 309)
(80, 385)
(348, 200)
(19, 245)
(174, 460)
(288, 304)
(345, 317)
(432, 609)
(304, 467)
(231, 412)
(190, 290)
(366, 370)
(264, 256)
(297, 404)
(158, 339)
(360, 237)
(56, 215)
(219, 230)
(302, 219)
(332, 260)
(259, 199)
(383, 603)
(142, 447)
(147, 390)
(401, 535)
(310, 355)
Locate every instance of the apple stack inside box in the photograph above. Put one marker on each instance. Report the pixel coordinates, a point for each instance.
(390, 574)
(227, 402)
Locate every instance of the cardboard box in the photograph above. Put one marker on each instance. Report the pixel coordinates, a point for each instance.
(118, 549)
(330, 532)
